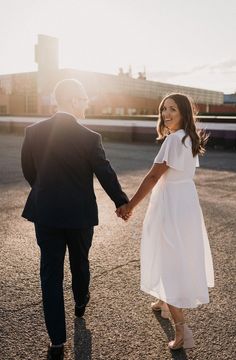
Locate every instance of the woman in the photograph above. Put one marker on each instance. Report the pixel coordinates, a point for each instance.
(176, 262)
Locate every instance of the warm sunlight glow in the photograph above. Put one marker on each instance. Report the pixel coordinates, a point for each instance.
(176, 41)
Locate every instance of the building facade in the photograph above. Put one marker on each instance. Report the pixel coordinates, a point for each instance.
(31, 93)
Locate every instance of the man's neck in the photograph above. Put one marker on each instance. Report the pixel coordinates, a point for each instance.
(69, 112)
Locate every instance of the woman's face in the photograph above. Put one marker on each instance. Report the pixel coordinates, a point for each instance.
(171, 115)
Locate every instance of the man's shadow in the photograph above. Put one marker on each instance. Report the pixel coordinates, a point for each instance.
(82, 341)
(170, 333)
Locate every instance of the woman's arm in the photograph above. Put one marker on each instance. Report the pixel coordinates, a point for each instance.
(147, 184)
(145, 187)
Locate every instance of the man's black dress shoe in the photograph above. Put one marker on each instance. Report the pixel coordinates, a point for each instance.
(55, 353)
(80, 309)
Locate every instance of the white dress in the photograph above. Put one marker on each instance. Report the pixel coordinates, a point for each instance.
(176, 262)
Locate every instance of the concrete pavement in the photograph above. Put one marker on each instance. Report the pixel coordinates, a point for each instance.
(118, 324)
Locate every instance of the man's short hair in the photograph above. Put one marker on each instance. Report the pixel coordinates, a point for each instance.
(66, 89)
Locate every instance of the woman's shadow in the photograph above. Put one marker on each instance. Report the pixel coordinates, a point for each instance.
(170, 333)
(82, 341)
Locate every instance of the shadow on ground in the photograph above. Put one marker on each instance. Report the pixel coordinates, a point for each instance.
(82, 341)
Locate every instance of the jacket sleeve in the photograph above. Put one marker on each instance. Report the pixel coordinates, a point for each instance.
(106, 175)
(27, 163)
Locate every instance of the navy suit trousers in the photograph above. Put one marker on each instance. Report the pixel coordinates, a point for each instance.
(53, 243)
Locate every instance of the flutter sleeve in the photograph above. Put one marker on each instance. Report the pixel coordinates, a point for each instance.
(172, 151)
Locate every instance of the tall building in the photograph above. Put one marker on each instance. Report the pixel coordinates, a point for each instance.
(46, 56)
(31, 93)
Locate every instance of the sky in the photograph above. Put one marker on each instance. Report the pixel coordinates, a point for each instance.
(185, 42)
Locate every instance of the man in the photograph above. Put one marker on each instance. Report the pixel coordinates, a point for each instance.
(59, 159)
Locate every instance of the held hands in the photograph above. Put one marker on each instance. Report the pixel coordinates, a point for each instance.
(124, 211)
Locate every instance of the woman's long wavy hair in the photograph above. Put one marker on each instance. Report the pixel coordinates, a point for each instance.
(188, 113)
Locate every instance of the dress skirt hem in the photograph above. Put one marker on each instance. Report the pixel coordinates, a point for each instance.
(195, 302)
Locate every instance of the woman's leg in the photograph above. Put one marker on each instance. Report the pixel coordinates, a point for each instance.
(176, 313)
(183, 335)
(178, 317)
(160, 305)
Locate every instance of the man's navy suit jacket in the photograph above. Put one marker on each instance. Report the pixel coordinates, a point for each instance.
(59, 158)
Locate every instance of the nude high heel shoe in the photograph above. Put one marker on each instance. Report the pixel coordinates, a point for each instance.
(160, 306)
(186, 341)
